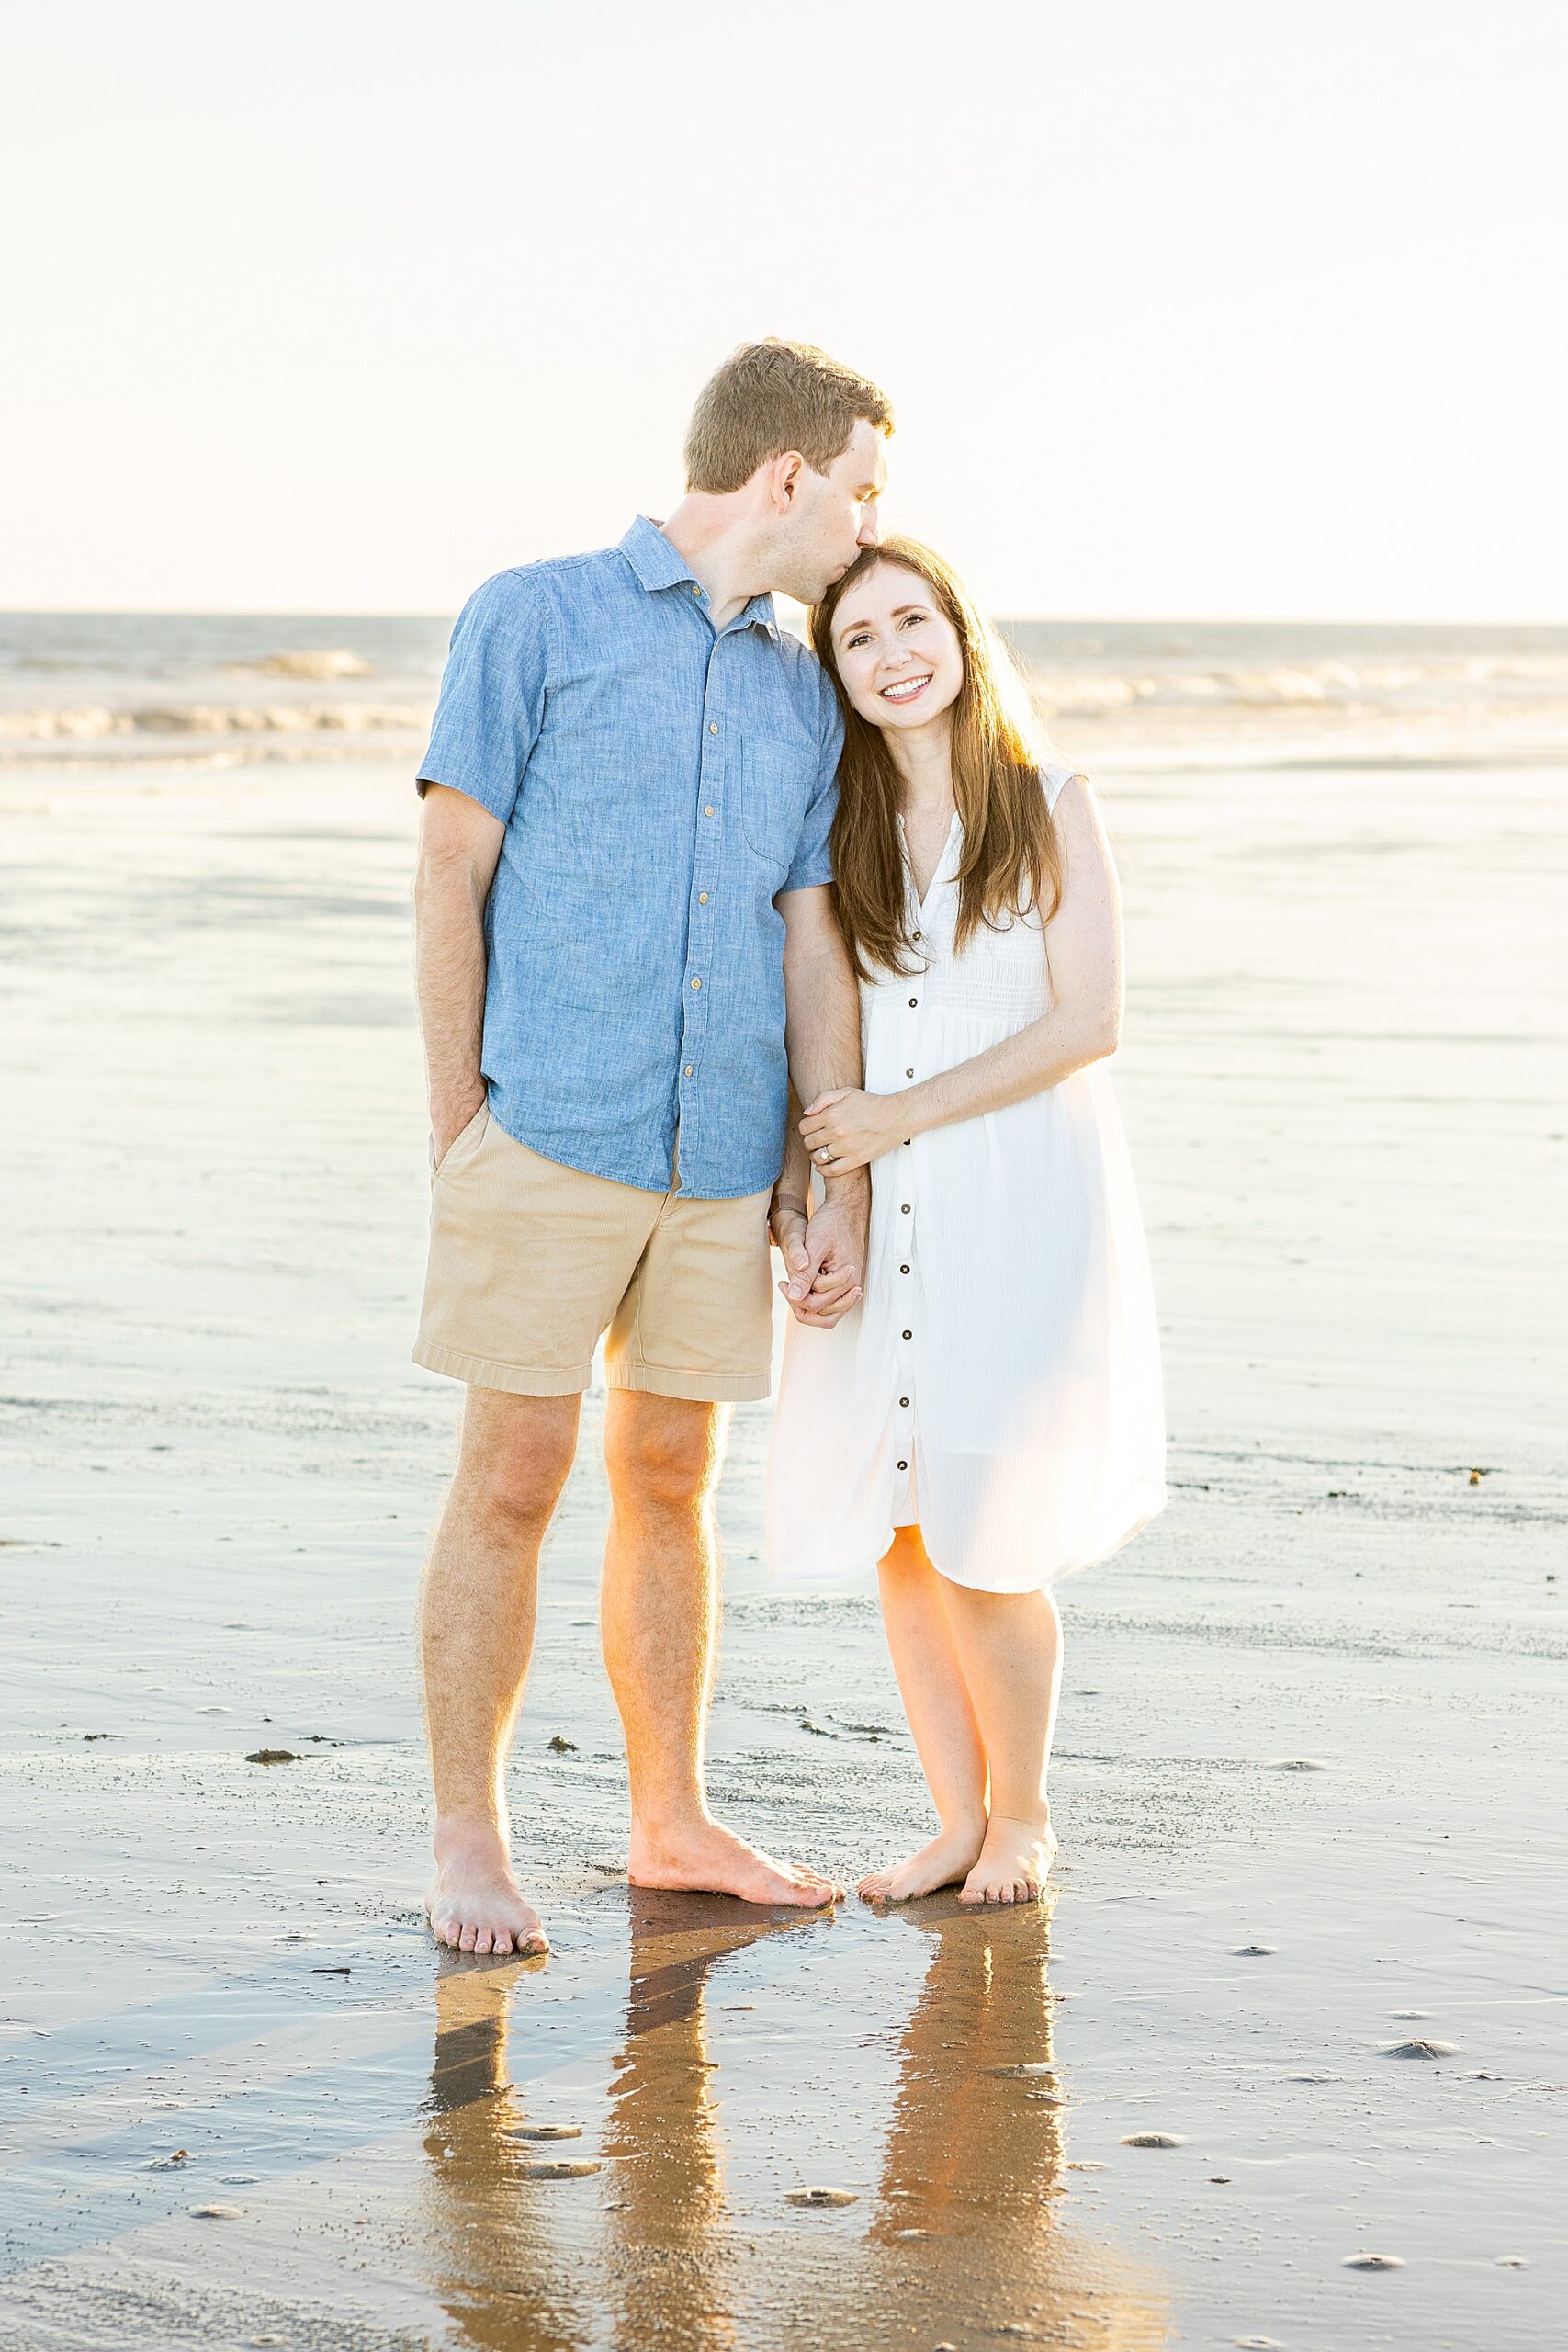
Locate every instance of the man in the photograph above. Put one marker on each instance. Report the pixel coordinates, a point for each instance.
(623, 922)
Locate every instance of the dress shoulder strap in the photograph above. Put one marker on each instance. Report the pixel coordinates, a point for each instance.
(1054, 779)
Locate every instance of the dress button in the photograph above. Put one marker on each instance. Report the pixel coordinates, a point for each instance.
(908, 1073)
(903, 1465)
(917, 934)
(903, 1400)
(908, 1334)
(903, 1269)
(914, 1000)
(903, 1205)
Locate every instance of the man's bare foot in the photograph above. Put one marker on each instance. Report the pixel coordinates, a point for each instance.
(710, 1859)
(1014, 1863)
(950, 1855)
(475, 1903)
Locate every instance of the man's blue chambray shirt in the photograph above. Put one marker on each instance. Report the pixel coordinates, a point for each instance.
(659, 786)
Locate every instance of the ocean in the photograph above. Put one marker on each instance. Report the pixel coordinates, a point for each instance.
(218, 688)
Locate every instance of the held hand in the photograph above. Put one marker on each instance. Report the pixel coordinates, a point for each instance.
(824, 1261)
(850, 1128)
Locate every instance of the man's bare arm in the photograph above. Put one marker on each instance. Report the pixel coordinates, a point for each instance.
(460, 845)
(822, 1032)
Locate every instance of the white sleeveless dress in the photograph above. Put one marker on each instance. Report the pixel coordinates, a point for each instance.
(999, 1382)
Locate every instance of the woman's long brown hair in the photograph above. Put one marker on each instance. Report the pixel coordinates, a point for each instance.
(1010, 859)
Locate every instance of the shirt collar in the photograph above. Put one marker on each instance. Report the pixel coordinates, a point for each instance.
(658, 565)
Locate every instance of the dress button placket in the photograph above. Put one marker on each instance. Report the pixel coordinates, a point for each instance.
(907, 1300)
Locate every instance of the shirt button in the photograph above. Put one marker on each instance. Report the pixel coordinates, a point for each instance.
(708, 810)
(687, 1072)
(713, 727)
(702, 897)
(697, 984)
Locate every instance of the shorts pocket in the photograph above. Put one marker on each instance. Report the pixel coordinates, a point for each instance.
(465, 1138)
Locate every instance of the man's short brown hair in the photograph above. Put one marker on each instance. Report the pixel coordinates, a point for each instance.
(772, 396)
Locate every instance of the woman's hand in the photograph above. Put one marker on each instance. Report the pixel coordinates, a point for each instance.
(850, 1128)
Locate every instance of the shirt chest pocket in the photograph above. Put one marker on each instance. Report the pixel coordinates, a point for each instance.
(777, 772)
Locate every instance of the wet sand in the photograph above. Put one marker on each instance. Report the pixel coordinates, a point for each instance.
(1344, 1087)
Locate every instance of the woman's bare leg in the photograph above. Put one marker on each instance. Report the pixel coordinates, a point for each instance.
(947, 1738)
(1008, 1647)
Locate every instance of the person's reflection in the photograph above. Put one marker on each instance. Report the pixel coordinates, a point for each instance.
(672, 2275)
(510, 2277)
(532, 2270)
(966, 2230)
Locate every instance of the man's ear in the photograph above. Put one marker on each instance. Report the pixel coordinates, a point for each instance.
(784, 476)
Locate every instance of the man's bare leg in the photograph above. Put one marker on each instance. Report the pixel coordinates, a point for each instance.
(476, 1635)
(658, 1620)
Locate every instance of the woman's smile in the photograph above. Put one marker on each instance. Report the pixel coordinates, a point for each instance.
(907, 689)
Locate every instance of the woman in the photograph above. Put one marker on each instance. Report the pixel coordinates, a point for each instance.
(987, 1419)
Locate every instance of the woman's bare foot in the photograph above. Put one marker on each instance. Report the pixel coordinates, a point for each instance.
(475, 1903)
(950, 1855)
(709, 1859)
(1014, 1863)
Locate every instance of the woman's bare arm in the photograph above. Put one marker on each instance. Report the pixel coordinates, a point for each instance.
(1084, 1024)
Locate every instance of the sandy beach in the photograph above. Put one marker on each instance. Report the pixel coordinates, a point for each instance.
(245, 2100)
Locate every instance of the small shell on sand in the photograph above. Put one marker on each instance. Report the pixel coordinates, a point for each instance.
(170, 2163)
(272, 1755)
(1029, 2071)
(1295, 1764)
(1418, 2049)
(1512, 2262)
(1257, 2344)
(547, 2132)
(215, 2213)
(1155, 2140)
(1373, 2262)
(561, 2169)
(1255, 1951)
(1086, 2164)
(821, 2197)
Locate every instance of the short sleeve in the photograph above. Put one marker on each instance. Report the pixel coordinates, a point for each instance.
(492, 694)
(812, 866)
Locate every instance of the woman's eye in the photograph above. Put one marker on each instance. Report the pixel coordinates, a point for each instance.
(911, 620)
(851, 642)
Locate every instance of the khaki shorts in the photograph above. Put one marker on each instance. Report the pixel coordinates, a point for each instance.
(531, 1263)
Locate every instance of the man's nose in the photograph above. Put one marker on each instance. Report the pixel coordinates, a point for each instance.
(870, 530)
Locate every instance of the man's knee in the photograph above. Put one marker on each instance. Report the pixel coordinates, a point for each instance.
(517, 1452)
(662, 1453)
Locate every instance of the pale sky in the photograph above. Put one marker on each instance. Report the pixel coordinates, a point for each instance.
(1232, 308)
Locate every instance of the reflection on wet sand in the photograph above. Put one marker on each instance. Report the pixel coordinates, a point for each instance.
(684, 2238)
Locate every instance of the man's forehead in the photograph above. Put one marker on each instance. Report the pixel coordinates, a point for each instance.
(864, 459)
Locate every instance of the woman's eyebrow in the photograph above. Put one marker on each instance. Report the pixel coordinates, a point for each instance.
(896, 614)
